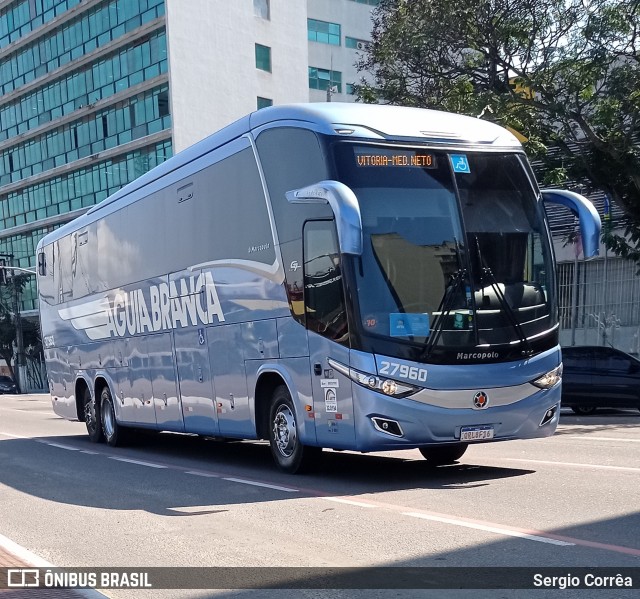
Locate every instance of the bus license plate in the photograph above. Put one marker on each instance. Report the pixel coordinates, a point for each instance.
(476, 433)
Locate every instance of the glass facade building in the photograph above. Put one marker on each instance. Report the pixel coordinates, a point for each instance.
(84, 110)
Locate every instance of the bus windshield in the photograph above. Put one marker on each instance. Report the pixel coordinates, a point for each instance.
(456, 252)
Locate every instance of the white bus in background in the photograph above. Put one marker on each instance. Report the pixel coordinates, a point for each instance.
(343, 276)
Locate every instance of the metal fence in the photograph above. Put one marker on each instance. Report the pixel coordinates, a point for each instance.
(599, 303)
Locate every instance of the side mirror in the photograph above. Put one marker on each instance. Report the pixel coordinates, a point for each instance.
(589, 218)
(345, 208)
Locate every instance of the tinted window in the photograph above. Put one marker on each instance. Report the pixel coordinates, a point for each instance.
(218, 213)
(323, 290)
(421, 272)
(576, 358)
(63, 278)
(609, 359)
(291, 158)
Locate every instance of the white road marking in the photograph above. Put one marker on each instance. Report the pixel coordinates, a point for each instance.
(498, 530)
(29, 411)
(349, 501)
(591, 438)
(536, 536)
(574, 464)
(59, 445)
(203, 474)
(257, 484)
(138, 462)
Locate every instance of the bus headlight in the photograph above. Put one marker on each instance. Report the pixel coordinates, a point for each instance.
(546, 381)
(389, 387)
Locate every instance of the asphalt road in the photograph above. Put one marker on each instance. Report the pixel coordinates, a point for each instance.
(570, 501)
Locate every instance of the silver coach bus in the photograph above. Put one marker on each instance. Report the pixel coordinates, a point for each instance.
(346, 276)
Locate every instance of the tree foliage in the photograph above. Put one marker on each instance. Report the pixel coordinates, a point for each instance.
(30, 333)
(563, 73)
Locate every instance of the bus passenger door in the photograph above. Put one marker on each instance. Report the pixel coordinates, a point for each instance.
(327, 331)
(194, 381)
(162, 374)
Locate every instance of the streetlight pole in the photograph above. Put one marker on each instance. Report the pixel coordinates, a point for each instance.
(20, 364)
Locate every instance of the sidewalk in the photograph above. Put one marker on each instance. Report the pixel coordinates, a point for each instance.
(10, 560)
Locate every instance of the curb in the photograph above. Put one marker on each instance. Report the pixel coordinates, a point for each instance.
(13, 555)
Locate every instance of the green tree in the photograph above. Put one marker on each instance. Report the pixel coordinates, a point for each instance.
(563, 73)
(30, 333)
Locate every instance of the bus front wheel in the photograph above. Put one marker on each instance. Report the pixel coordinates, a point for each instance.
(288, 452)
(113, 432)
(446, 454)
(92, 417)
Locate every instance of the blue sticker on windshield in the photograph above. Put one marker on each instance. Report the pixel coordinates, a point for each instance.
(460, 163)
(409, 325)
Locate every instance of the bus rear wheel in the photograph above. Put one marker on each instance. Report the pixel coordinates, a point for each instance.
(447, 454)
(92, 417)
(289, 453)
(113, 432)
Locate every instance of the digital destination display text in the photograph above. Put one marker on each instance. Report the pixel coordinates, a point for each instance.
(400, 158)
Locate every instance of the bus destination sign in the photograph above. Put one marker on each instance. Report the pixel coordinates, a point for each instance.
(396, 158)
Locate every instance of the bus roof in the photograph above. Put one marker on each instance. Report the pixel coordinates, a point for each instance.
(370, 121)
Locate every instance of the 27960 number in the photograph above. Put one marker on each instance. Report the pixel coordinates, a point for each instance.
(413, 373)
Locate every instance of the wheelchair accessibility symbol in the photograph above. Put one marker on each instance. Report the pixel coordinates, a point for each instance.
(460, 163)
(201, 338)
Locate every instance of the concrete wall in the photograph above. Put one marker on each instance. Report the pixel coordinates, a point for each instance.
(212, 70)
(355, 20)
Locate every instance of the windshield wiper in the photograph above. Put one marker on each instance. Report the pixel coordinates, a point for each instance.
(444, 309)
(508, 310)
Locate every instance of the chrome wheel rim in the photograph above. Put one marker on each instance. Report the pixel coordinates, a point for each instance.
(107, 419)
(284, 431)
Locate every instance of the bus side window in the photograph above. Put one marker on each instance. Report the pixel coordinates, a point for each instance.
(42, 264)
(323, 288)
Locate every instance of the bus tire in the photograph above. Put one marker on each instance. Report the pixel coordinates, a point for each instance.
(289, 454)
(92, 418)
(446, 454)
(113, 432)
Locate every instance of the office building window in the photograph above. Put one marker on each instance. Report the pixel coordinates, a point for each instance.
(22, 17)
(163, 103)
(264, 102)
(323, 32)
(73, 39)
(263, 58)
(78, 189)
(107, 76)
(323, 78)
(133, 118)
(261, 9)
(355, 43)
(369, 2)
(351, 89)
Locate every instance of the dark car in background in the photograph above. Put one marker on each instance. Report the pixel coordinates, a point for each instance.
(599, 377)
(7, 385)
